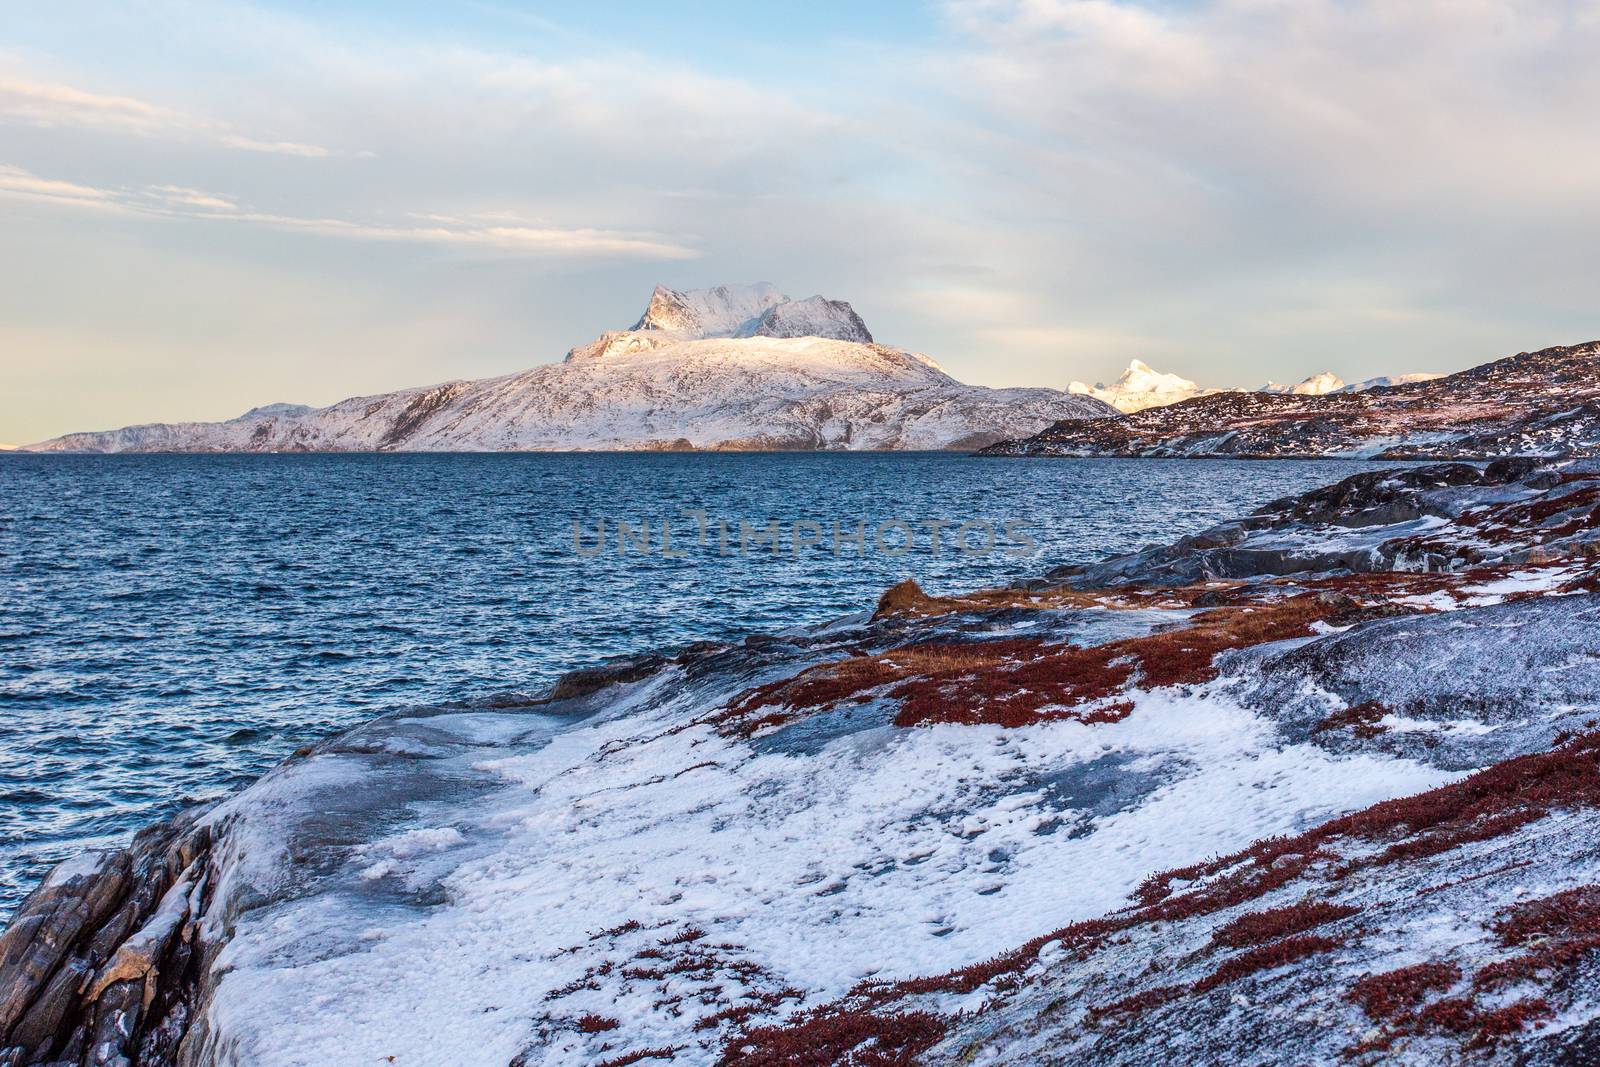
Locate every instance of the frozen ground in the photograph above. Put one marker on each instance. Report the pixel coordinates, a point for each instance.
(1146, 809)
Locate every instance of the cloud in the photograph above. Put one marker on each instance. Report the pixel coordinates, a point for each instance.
(490, 231)
(18, 184)
(282, 148)
(1347, 109)
(49, 105)
(180, 196)
(61, 105)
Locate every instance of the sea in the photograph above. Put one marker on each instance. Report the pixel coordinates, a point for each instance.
(171, 626)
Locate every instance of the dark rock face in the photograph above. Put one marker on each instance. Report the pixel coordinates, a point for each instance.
(1544, 403)
(103, 963)
(1433, 518)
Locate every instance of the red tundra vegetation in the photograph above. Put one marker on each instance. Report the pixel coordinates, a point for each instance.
(1020, 681)
(1394, 995)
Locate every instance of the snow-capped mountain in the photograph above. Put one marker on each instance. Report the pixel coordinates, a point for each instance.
(1317, 385)
(1140, 387)
(735, 367)
(758, 310)
(1388, 381)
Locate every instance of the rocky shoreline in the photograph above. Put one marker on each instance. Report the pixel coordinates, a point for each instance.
(984, 807)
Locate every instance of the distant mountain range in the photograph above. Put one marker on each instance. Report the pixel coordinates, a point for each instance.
(1141, 387)
(734, 367)
(1544, 403)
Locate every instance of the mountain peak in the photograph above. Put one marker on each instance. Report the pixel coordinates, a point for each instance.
(1318, 384)
(722, 311)
(758, 310)
(1139, 387)
(815, 316)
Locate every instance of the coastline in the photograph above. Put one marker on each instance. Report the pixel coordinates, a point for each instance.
(148, 924)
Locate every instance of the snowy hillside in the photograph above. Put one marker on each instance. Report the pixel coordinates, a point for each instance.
(1544, 403)
(735, 367)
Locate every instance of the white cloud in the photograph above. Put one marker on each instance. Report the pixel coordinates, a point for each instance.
(180, 196)
(49, 105)
(282, 148)
(486, 232)
(19, 184)
(62, 105)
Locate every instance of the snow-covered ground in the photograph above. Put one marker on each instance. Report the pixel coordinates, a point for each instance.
(1148, 808)
(504, 915)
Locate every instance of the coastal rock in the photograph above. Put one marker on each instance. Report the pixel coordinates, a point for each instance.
(101, 959)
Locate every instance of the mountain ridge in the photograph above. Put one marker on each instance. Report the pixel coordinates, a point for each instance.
(729, 368)
(1544, 403)
(1141, 386)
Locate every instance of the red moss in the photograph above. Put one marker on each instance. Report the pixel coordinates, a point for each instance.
(617, 931)
(1526, 522)
(1560, 915)
(1262, 926)
(1266, 958)
(1021, 681)
(1513, 1018)
(662, 1053)
(1109, 714)
(1363, 720)
(1455, 1014)
(762, 1002)
(862, 1039)
(1559, 930)
(684, 936)
(1395, 994)
(1459, 1015)
(1138, 1003)
(1587, 582)
(1482, 830)
(590, 1023)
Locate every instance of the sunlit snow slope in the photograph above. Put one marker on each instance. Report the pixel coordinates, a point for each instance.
(735, 367)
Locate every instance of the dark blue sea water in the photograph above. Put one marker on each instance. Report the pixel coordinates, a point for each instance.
(171, 626)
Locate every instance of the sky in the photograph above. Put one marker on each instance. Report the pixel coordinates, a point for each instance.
(206, 205)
